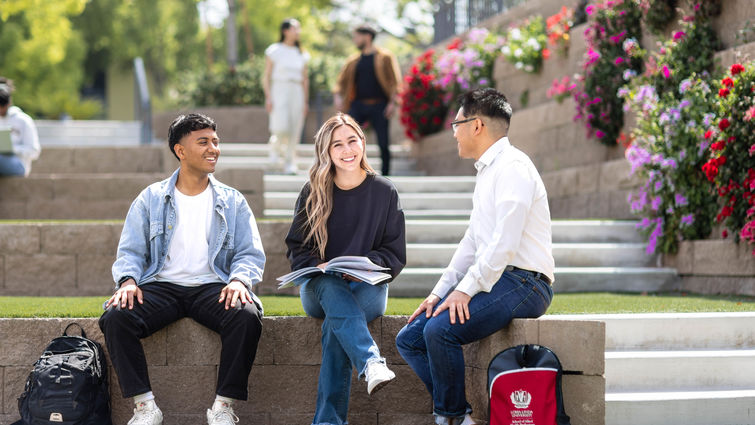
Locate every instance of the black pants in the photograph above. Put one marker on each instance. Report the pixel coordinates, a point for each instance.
(375, 115)
(164, 303)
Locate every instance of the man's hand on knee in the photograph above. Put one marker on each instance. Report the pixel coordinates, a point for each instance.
(234, 291)
(125, 295)
(426, 307)
(457, 304)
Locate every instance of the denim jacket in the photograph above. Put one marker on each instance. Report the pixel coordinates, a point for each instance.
(235, 247)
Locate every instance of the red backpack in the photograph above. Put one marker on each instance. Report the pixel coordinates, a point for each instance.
(524, 387)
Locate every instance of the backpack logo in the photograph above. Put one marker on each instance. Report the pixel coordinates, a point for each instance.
(521, 399)
(56, 417)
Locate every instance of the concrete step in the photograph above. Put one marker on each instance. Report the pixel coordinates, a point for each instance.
(564, 231)
(733, 407)
(565, 255)
(399, 166)
(410, 201)
(88, 133)
(637, 371)
(409, 214)
(302, 150)
(677, 331)
(417, 281)
(404, 184)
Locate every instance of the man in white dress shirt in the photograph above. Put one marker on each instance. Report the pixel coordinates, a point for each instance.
(503, 267)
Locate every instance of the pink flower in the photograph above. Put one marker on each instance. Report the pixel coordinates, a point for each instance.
(619, 60)
(750, 114)
(666, 72)
(590, 9)
(678, 35)
(752, 150)
(599, 134)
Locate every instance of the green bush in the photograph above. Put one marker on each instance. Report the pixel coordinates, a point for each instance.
(221, 85)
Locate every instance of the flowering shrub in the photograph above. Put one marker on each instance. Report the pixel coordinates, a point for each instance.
(526, 45)
(466, 65)
(658, 13)
(731, 166)
(613, 52)
(557, 28)
(675, 202)
(422, 102)
(562, 89)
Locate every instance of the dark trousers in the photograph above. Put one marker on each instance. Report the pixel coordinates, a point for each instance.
(375, 115)
(164, 303)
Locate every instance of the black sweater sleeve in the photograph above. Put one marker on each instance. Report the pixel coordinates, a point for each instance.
(299, 254)
(391, 252)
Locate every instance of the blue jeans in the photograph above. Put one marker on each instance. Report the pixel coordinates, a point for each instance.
(432, 347)
(347, 307)
(11, 165)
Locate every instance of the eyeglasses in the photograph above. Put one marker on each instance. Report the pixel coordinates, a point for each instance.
(455, 124)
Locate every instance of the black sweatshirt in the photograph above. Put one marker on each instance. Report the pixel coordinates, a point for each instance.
(366, 221)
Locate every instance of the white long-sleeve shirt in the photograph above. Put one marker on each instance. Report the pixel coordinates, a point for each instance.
(510, 224)
(23, 136)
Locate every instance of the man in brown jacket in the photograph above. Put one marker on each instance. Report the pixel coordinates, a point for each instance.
(367, 88)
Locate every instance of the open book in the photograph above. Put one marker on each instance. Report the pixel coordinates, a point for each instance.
(359, 267)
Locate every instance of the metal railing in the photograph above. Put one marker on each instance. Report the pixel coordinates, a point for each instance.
(142, 102)
(454, 17)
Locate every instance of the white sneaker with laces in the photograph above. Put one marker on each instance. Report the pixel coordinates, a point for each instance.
(146, 413)
(377, 376)
(468, 420)
(221, 414)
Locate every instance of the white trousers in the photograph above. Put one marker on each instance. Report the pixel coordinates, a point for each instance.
(286, 119)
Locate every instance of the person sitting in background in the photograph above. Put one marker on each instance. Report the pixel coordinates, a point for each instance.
(19, 128)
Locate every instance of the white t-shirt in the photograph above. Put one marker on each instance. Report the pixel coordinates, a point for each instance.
(188, 260)
(288, 62)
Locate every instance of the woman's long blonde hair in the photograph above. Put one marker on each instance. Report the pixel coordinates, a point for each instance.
(319, 203)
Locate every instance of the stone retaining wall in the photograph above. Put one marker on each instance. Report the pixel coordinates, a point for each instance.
(183, 360)
(715, 267)
(63, 259)
(105, 196)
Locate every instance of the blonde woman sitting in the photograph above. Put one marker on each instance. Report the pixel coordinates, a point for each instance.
(345, 209)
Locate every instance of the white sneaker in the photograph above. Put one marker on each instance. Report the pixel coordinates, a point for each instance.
(377, 376)
(221, 414)
(291, 169)
(468, 420)
(146, 413)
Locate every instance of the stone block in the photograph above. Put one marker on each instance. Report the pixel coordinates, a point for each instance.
(579, 345)
(723, 258)
(387, 418)
(13, 385)
(520, 331)
(40, 274)
(730, 285)
(584, 399)
(273, 233)
(276, 264)
(9, 419)
(82, 238)
(282, 390)
(24, 189)
(476, 382)
(102, 186)
(407, 394)
(71, 209)
(391, 326)
(266, 347)
(291, 335)
(19, 239)
(191, 344)
(615, 175)
(683, 260)
(142, 159)
(12, 210)
(93, 274)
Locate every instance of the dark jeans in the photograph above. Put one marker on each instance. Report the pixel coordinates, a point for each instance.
(375, 115)
(432, 347)
(164, 303)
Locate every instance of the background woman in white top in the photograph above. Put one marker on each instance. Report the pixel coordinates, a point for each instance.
(286, 86)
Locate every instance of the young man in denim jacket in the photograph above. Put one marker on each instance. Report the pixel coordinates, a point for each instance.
(189, 248)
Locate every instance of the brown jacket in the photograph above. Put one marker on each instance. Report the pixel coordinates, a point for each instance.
(386, 70)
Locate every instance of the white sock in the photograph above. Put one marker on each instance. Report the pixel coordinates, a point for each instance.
(220, 401)
(142, 398)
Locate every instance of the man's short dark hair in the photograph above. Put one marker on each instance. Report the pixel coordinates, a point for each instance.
(487, 102)
(185, 124)
(366, 29)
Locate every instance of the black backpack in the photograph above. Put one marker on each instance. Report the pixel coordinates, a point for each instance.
(68, 384)
(524, 387)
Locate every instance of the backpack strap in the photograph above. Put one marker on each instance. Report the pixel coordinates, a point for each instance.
(65, 332)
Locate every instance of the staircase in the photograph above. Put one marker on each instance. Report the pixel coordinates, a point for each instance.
(691, 369)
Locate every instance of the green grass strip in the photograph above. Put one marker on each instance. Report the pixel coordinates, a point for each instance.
(585, 303)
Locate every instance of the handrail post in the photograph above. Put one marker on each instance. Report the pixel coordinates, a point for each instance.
(142, 102)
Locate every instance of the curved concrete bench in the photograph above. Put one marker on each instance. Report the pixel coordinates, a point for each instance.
(183, 360)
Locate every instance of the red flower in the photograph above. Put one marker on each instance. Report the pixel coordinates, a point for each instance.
(708, 134)
(710, 169)
(721, 160)
(736, 69)
(455, 44)
(546, 53)
(723, 92)
(415, 69)
(727, 82)
(724, 124)
(436, 120)
(724, 234)
(718, 146)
